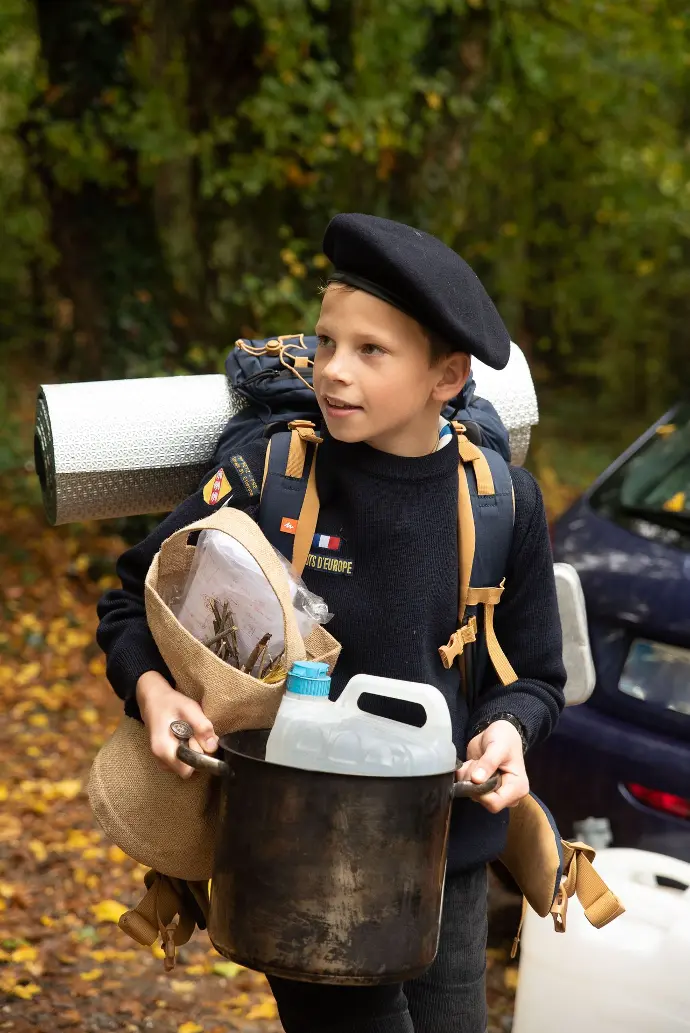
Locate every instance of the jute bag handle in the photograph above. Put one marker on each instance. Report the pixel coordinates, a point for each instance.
(176, 555)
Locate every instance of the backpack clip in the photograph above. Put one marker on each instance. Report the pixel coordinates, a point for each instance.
(303, 433)
(457, 642)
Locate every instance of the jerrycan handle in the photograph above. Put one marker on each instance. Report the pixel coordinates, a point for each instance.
(429, 698)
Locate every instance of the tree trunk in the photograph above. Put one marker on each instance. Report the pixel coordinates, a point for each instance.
(103, 234)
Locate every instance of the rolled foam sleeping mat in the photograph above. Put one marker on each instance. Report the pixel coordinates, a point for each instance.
(116, 448)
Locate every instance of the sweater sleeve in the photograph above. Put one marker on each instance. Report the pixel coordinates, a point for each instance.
(527, 625)
(123, 632)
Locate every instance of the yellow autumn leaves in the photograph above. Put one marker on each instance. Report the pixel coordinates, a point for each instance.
(26, 957)
(53, 858)
(108, 911)
(265, 1009)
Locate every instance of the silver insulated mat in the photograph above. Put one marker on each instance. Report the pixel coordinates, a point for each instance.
(511, 392)
(116, 448)
(121, 447)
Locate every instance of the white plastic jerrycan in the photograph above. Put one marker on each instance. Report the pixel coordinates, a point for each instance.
(632, 976)
(315, 734)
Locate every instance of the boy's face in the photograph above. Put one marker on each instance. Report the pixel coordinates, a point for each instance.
(373, 376)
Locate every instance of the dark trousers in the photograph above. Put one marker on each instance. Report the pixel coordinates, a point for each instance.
(450, 997)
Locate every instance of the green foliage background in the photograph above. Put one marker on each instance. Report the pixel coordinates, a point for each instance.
(167, 168)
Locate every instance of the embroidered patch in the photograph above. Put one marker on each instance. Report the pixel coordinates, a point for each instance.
(288, 525)
(242, 467)
(217, 488)
(325, 541)
(330, 564)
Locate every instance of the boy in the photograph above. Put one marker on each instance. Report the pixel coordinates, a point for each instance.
(400, 318)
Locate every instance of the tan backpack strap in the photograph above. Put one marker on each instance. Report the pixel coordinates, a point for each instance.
(600, 904)
(469, 453)
(306, 525)
(490, 597)
(467, 596)
(266, 461)
(153, 916)
(516, 940)
(303, 434)
(466, 540)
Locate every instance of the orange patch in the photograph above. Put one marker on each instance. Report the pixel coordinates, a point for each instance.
(288, 525)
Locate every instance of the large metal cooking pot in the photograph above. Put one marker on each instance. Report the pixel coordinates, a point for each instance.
(326, 878)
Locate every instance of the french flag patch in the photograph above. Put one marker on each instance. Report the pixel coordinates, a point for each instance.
(324, 541)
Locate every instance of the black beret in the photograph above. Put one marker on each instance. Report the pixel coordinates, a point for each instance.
(420, 275)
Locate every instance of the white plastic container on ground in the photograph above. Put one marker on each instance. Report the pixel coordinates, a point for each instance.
(632, 976)
(315, 734)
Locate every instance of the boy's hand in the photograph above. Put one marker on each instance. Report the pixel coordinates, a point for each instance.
(498, 748)
(160, 705)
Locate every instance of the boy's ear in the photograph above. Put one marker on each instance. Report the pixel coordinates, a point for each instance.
(453, 370)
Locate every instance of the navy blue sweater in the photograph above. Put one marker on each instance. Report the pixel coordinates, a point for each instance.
(394, 597)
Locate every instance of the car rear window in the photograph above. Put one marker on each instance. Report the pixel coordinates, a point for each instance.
(649, 494)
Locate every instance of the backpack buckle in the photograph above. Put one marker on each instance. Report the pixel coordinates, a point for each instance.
(559, 909)
(168, 944)
(457, 642)
(306, 430)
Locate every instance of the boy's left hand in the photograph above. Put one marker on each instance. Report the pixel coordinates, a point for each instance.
(498, 748)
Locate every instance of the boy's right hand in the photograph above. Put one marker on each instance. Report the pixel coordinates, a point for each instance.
(160, 705)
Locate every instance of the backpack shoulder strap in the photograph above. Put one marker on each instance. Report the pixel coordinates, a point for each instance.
(289, 506)
(486, 509)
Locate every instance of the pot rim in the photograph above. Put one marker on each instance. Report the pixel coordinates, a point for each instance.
(234, 752)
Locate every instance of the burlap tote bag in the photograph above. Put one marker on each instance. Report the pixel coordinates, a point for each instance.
(158, 818)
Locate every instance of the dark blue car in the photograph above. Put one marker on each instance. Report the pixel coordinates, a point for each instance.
(624, 756)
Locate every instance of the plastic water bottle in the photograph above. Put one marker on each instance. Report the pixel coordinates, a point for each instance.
(629, 977)
(313, 733)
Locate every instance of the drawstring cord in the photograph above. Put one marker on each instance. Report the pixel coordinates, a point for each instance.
(278, 347)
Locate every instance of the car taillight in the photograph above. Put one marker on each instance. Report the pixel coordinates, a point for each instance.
(678, 806)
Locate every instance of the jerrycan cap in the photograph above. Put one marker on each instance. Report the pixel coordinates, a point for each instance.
(309, 678)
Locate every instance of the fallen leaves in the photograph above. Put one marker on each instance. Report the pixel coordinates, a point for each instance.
(63, 886)
(228, 969)
(266, 1010)
(38, 849)
(23, 990)
(108, 911)
(89, 977)
(23, 954)
(182, 986)
(510, 979)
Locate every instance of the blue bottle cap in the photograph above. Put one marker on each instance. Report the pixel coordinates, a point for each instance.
(309, 678)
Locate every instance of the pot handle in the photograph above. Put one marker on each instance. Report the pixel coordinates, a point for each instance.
(183, 731)
(463, 789)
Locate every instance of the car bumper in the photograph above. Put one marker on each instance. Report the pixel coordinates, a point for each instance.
(582, 769)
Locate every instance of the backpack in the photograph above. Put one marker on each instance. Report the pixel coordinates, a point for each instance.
(274, 378)
(548, 869)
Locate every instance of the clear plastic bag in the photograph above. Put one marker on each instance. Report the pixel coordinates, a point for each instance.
(225, 577)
